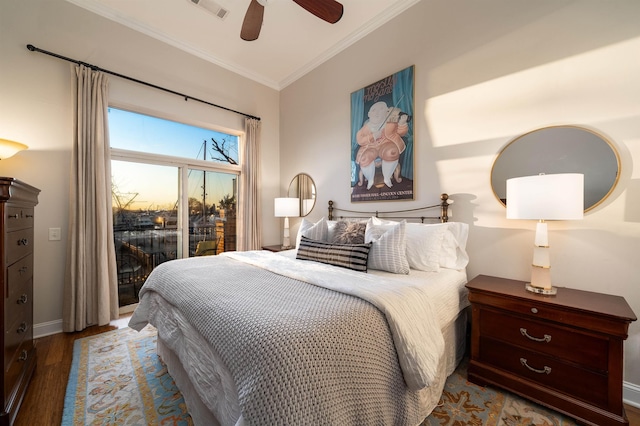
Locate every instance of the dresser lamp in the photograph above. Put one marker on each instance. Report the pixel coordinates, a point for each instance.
(9, 148)
(545, 197)
(286, 207)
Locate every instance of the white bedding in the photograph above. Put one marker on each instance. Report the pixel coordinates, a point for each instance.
(422, 367)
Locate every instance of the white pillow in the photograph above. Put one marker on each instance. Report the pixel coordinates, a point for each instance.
(434, 245)
(454, 244)
(424, 246)
(388, 249)
(316, 231)
(331, 227)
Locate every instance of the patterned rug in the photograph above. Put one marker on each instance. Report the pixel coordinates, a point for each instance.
(117, 379)
(465, 403)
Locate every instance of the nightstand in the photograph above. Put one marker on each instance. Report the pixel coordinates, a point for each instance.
(274, 249)
(563, 351)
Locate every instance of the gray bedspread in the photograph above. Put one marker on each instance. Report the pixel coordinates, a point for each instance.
(292, 347)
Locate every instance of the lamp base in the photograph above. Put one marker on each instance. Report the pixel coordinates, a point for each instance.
(539, 290)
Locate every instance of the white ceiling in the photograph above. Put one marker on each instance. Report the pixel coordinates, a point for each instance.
(292, 41)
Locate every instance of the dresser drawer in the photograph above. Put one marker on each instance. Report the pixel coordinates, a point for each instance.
(18, 244)
(16, 332)
(16, 368)
(546, 370)
(18, 275)
(19, 218)
(19, 304)
(588, 350)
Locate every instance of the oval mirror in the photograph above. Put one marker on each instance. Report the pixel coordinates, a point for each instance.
(303, 187)
(560, 149)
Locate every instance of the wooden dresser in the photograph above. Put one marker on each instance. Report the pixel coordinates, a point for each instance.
(563, 351)
(17, 202)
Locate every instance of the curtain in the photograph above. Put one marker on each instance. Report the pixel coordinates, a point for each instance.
(249, 207)
(91, 288)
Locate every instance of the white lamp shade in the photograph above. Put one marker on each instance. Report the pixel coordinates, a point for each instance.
(286, 207)
(546, 197)
(9, 148)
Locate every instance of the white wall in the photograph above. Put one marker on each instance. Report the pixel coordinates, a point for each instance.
(486, 72)
(36, 109)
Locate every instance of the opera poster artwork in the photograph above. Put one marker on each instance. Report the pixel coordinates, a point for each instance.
(382, 139)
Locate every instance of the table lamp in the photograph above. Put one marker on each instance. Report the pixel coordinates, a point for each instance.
(545, 197)
(9, 148)
(286, 207)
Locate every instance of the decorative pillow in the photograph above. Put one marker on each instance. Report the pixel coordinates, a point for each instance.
(351, 256)
(315, 231)
(388, 252)
(347, 232)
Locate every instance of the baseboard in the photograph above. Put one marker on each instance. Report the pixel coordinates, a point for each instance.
(631, 394)
(47, 328)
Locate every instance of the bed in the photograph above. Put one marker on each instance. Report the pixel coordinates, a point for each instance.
(306, 336)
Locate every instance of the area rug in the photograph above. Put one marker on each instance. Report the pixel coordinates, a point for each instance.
(465, 403)
(117, 379)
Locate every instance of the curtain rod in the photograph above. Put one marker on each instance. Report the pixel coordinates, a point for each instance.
(97, 68)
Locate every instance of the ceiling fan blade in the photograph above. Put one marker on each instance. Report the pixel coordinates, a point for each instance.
(252, 21)
(327, 10)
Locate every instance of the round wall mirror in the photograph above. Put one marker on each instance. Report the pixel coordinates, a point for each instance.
(560, 149)
(303, 187)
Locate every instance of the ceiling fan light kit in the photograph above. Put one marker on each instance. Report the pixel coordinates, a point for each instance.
(328, 10)
(212, 7)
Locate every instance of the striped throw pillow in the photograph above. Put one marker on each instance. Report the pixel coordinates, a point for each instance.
(388, 252)
(351, 256)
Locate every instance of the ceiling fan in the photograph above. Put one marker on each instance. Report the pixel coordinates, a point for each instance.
(327, 10)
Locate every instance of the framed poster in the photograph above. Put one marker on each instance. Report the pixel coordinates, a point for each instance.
(382, 139)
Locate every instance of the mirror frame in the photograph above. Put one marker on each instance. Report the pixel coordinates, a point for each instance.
(314, 193)
(512, 143)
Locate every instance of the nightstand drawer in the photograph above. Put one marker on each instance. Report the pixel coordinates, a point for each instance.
(546, 370)
(590, 351)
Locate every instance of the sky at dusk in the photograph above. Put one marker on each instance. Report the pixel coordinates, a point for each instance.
(154, 187)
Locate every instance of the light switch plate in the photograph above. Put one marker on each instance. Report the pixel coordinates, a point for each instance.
(54, 234)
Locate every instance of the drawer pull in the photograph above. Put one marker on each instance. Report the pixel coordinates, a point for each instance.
(23, 270)
(13, 216)
(534, 310)
(22, 328)
(546, 338)
(30, 216)
(546, 370)
(23, 299)
(23, 242)
(23, 355)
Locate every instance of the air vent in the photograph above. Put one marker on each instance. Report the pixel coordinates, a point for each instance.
(213, 7)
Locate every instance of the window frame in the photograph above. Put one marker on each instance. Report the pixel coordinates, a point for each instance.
(183, 164)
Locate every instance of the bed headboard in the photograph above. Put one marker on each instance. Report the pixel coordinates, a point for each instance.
(395, 214)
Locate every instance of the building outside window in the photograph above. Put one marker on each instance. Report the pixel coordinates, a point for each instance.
(174, 194)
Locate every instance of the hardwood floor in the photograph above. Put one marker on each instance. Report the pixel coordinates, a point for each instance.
(44, 400)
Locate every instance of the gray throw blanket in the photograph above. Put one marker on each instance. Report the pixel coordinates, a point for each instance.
(291, 347)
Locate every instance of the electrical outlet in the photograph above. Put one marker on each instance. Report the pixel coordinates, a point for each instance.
(54, 234)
